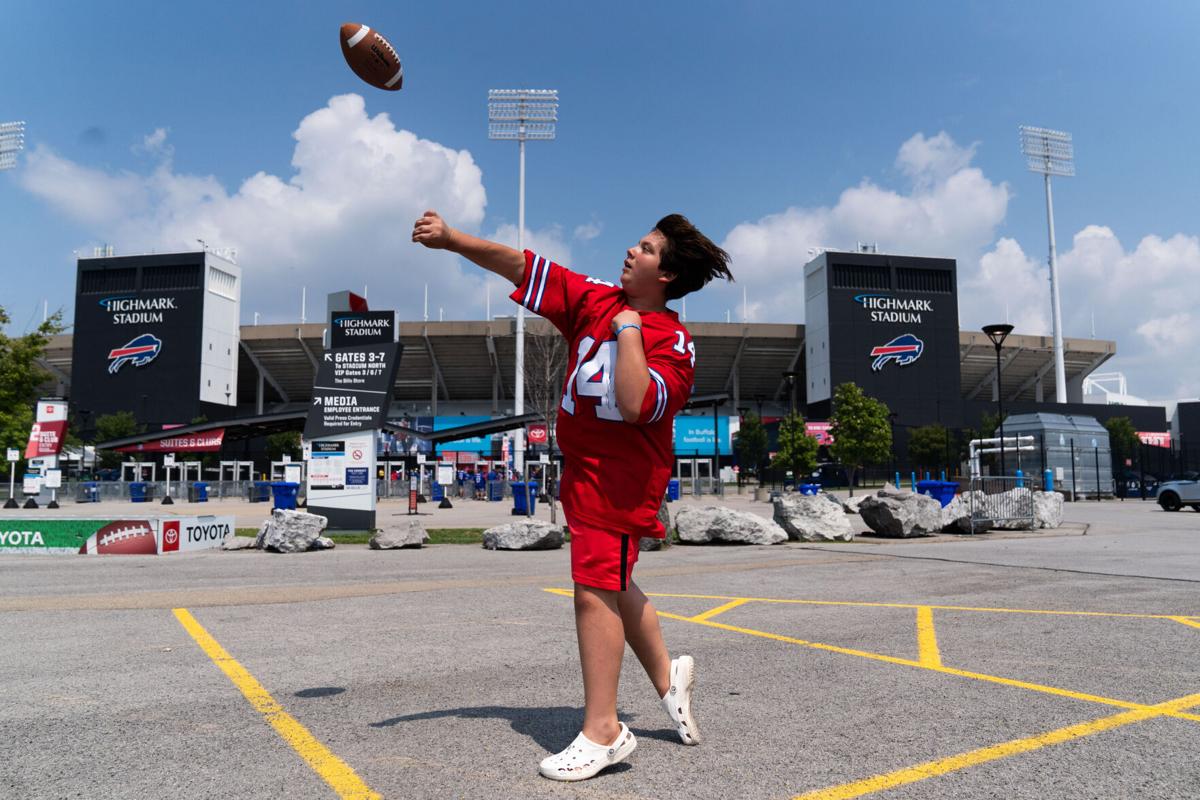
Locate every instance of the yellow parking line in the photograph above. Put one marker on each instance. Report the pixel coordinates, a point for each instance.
(1186, 621)
(942, 766)
(335, 772)
(927, 645)
(919, 605)
(712, 612)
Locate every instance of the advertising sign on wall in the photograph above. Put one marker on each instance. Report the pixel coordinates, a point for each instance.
(694, 436)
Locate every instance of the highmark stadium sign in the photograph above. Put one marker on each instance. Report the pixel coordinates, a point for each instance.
(130, 310)
(885, 308)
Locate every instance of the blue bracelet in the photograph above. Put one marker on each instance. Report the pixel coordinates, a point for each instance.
(626, 325)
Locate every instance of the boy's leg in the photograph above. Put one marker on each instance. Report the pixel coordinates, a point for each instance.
(644, 635)
(601, 648)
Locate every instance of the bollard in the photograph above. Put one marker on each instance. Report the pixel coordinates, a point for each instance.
(1048, 480)
(1020, 479)
(913, 480)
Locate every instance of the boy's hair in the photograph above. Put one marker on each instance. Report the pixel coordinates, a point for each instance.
(690, 256)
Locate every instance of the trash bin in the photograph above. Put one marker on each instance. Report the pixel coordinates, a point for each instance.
(810, 488)
(285, 494)
(942, 491)
(495, 491)
(673, 489)
(137, 492)
(439, 493)
(198, 492)
(520, 493)
(89, 492)
(259, 492)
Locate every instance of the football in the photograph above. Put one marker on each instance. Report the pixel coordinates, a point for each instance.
(129, 537)
(371, 57)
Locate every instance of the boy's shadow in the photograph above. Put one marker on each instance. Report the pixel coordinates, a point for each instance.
(552, 728)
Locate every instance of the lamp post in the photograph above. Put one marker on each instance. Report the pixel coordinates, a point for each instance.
(742, 411)
(998, 333)
(1051, 153)
(521, 114)
(790, 377)
(892, 415)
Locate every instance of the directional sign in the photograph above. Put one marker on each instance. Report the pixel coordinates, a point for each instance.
(353, 389)
(356, 328)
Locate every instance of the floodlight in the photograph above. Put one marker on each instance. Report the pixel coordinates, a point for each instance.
(12, 141)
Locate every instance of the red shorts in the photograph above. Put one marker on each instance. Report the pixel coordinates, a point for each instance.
(601, 559)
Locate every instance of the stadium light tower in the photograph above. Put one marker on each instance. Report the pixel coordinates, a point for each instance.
(1051, 153)
(12, 141)
(521, 114)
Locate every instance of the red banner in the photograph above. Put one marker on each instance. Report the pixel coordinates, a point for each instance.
(207, 442)
(819, 431)
(1155, 438)
(537, 433)
(46, 438)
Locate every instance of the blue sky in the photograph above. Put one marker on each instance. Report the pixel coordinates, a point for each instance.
(775, 126)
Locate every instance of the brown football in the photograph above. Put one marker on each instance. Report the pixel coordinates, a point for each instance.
(371, 56)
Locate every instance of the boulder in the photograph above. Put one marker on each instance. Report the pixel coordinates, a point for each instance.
(526, 534)
(705, 524)
(902, 514)
(233, 542)
(410, 533)
(812, 518)
(1047, 509)
(323, 543)
(850, 504)
(1005, 504)
(290, 531)
(649, 543)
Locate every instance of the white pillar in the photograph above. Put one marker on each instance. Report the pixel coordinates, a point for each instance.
(519, 378)
(1060, 370)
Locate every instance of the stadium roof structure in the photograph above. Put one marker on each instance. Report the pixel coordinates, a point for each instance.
(473, 362)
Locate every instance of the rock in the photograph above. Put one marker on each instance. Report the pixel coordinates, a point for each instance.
(529, 534)
(649, 543)
(405, 534)
(1005, 504)
(1047, 509)
(956, 516)
(902, 515)
(808, 518)
(890, 490)
(233, 542)
(704, 524)
(323, 543)
(290, 531)
(850, 504)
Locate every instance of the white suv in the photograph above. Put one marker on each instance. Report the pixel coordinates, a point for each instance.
(1174, 495)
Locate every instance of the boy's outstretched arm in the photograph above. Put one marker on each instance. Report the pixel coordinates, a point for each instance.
(433, 232)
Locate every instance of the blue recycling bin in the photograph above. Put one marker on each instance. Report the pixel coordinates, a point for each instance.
(438, 493)
(89, 492)
(673, 489)
(259, 492)
(810, 488)
(495, 491)
(198, 493)
(942, 491)
(519, 496)
(137, 492)
(284, 493)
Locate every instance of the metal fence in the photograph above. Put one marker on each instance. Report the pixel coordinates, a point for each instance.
(995, 500)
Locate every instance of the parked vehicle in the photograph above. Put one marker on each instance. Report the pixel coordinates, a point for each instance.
(1174, 495)
(1129, 483)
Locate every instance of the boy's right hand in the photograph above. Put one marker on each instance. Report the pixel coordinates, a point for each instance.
(432, 231)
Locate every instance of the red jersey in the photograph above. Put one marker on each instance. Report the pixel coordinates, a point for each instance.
(616, 472)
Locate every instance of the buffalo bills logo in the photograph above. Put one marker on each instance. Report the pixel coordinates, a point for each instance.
(904, 350)
(139, 352)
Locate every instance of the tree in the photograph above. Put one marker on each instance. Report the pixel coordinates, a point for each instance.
(861, 431)
(284, 443)
(929, 446)
(797, 450)
(750, 444)
(115, 426)
(20, 378)
(1123, 441)
(545, 371)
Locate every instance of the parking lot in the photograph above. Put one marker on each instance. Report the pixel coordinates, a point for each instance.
(1055, 664)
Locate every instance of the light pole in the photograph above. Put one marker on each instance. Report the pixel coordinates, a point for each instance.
(998, 333)
(12, 141)
(521, 114)
(790, 377)
(1051, 153)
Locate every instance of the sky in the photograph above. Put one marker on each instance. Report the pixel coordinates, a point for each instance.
(777, 127)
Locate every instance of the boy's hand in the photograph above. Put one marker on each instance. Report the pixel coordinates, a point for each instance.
(626, 317)
(432, 231)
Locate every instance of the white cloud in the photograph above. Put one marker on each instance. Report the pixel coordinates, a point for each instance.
(342, 219)
(588, 231)
(1008, 286)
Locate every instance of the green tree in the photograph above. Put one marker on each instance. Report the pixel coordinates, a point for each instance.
(115, 426)
(797, 450)
(1122, 440)
(20, 378)
(929, 446)
(284, 443)
(751, 443)
(861, 431)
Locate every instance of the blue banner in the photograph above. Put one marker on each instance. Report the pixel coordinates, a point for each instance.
(694, 435)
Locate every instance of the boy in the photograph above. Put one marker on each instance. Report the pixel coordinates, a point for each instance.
(630, 371)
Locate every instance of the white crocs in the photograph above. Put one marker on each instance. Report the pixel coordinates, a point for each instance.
(583, 758)
(678, 699)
